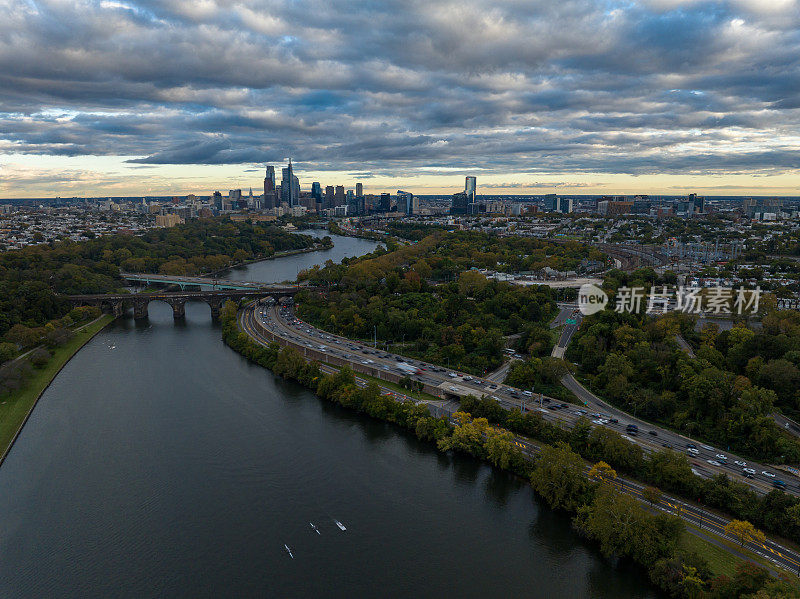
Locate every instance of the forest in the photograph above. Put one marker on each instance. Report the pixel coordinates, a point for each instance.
(32, 279)
(724, 395)
(427, 300)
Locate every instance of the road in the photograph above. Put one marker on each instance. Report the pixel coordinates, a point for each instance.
(706, 461)
(281, 321)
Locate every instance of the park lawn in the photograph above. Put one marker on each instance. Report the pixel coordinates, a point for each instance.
(719, 560)
(15, 407)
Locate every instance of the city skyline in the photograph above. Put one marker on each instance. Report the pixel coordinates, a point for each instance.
(657, 96)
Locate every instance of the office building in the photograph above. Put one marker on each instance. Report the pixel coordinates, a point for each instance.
(459, 203)
(550, 202)
(407, 203)
(565, 205)
(699, 203)
(290, 186)
(612, 208)
(216, 200)
(339, 197)
(471, 188)
(316, 191)
(329, 196)
(359, 189)
(168, 220)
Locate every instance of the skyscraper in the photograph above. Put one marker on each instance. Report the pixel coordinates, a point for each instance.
(359, 189)
(471, 188)
(316, 191)
(270, 193)
(407, 202)
(290, 186)
(338, 197)
(385, 204)
(329, 196)
(459, 203)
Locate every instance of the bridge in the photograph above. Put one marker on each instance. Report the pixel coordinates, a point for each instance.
(117, 303)
(183, 282)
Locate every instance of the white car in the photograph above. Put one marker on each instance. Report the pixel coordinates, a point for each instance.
(707, 447)
(713, 462)
(740, 463)
(692, 451)
(749, 470)
(765, 473)
(528, 393)
(721, 457)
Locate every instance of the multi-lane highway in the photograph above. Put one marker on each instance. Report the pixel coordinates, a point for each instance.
(706, 461)
(280, 322)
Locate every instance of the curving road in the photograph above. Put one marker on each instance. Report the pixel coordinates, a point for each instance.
(450, 385)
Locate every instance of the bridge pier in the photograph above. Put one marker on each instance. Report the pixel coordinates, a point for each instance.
(178, 307)
(216, 306)
(118, 308)
(140, 308)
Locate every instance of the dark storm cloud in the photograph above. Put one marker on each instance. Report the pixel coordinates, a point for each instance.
(656, 86)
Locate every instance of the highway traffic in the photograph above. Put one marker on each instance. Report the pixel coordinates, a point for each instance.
(706, 461)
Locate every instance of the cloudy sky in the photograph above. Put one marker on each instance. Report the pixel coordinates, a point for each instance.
(128, 97)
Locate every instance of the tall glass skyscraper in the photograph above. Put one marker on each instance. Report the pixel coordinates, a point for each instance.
(470, 188)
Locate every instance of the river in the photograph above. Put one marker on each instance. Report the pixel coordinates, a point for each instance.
(161, 463)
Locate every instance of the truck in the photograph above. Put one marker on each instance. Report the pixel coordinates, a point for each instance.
(407, 368)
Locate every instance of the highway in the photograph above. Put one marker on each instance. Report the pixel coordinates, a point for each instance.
(280, 321)
(706, 461)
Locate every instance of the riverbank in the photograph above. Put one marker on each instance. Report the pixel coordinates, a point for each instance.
(17, 407)
(315, 248)
(651, 538)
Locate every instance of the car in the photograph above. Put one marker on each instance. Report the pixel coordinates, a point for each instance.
(740, 463)
(595, 415)
(707, 447)
(528, 393)
(598, 421)
(453, 388)
(692, 451)
(749, 470)
(722, 457)
(452, 375)
(613, 421)
(713, 462)
(667, 445)
(467, 378)
(767, 473)
(654, 433)
(563, 405)
(691, 446)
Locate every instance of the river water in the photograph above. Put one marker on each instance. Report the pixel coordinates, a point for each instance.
(160, 463)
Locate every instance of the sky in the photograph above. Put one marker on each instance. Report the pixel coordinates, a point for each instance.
(146, 97)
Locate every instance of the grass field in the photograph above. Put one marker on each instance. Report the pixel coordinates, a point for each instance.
(14, 408)
(719, 560)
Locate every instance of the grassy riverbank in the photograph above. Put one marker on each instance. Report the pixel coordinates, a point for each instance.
(15, 408)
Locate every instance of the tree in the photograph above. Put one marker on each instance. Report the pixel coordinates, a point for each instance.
(602, 472)
(558, 476)
(651, 495)
(744, 532)
(7, 352)
(39, 357)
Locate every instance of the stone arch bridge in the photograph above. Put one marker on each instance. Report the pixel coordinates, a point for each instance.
(117, 303)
